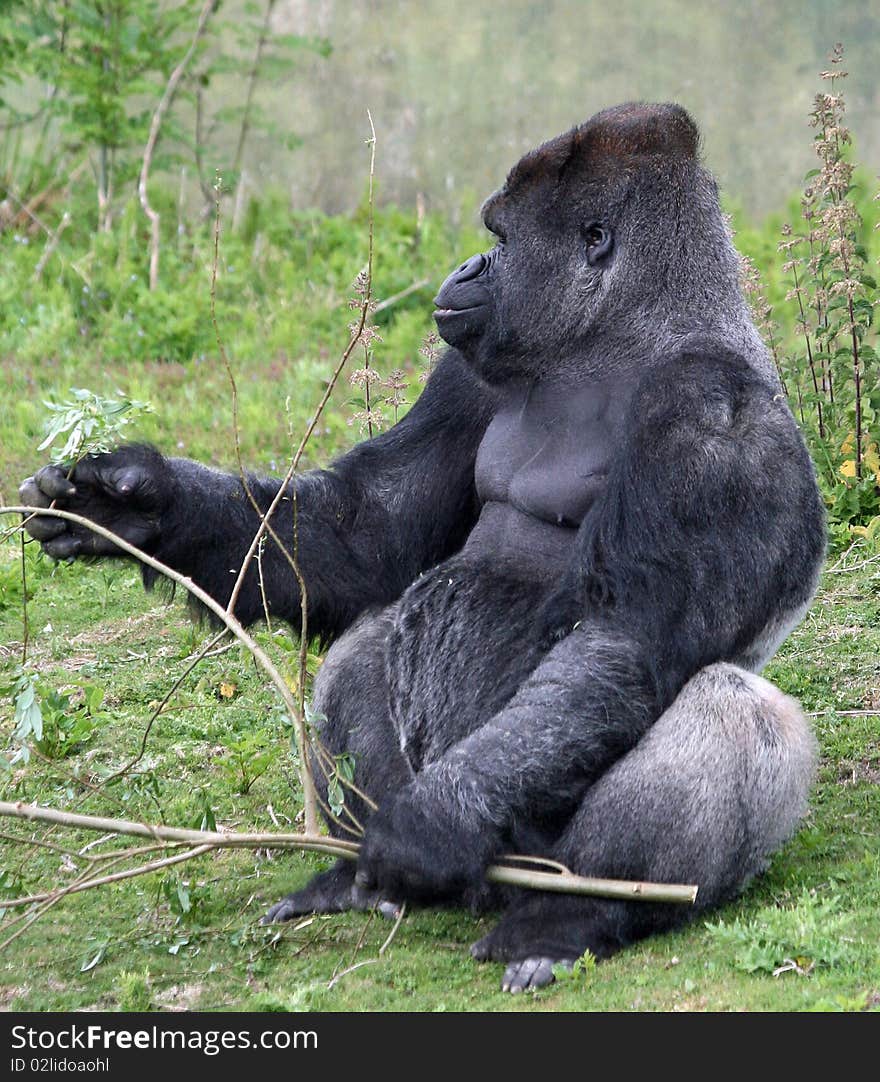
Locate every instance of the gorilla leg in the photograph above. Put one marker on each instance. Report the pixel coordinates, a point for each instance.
(715, 786)
(351, 698)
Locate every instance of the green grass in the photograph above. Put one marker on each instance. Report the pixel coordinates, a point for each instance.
(190, 937)
(92, 626)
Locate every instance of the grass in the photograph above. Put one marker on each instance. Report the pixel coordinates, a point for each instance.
(189, 938)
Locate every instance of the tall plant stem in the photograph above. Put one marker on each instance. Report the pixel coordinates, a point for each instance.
(253, 76)
(153, 138)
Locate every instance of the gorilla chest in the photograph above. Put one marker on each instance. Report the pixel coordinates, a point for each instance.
(547, 451)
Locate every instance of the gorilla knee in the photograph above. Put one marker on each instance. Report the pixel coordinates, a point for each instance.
(736, 732)
(352, 712)
(757, 722)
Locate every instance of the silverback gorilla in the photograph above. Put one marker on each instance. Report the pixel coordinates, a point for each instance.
(551, 586)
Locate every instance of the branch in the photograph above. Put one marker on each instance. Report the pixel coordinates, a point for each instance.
(209, 602)
(395, 297)
(102, 880)
(252, 85)
(557, 882)
(49, 250)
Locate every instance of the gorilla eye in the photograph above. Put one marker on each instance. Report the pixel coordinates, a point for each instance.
(599, 242)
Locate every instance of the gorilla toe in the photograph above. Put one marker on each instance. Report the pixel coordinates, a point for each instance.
(530, 974)
(333, 891)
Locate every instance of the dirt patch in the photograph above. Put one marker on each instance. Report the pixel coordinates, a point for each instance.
(855, 771)
(179, 997)
(10, 992)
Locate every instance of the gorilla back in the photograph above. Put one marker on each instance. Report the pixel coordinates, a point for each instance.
(551, 587)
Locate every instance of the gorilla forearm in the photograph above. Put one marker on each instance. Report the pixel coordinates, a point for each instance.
(345, 552)
(588, 702)
(209, 526)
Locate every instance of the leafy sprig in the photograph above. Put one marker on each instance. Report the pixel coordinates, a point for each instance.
(92, 424)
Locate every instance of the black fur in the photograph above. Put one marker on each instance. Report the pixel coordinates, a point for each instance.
(550, 586)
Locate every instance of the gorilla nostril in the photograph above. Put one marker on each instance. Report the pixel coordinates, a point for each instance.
(472, 268)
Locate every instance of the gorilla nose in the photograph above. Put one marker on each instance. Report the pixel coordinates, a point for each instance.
(473, 268)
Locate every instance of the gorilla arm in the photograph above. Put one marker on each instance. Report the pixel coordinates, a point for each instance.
(711, 532)
(366, 526)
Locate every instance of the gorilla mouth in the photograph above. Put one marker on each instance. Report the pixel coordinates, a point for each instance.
(446, 313)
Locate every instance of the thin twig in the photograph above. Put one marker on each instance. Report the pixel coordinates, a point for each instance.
(307, 782)
(252, 85)
(205, 598)
(158, 710)
(56, 897)
(25, 622)
(363, 934)
(852, 567)
(224, 615)
(51, 245)
(115, 877)
(318, 843)
(309, 792)
(351, 969)
(18, 840)
(844, 713)
(401, 913)
(395, 297)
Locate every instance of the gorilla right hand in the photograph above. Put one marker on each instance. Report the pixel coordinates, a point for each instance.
(125, 491)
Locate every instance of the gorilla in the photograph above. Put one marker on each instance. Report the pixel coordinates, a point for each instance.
(550, 588)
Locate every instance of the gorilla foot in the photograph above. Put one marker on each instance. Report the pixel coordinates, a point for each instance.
(539, 933)
(333, 891)
(522, 974)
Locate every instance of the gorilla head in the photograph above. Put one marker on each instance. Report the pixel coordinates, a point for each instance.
(598, 230)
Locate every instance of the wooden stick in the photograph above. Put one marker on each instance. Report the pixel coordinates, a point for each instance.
(225, 617)
(557, 882)
(114, 877)
(569, 883)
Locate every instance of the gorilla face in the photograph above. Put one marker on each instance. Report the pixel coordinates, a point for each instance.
(573, 258)
(492, 308)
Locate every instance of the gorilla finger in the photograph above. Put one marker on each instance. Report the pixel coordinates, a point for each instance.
(128, 480)
(54, 483)
(481, 951)
(63, 548)
(389, 910)
(365, 879)
(31, 494)
(365, 900)
(44, 528)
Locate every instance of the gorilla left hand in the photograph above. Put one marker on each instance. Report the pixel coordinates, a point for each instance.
(414, 849)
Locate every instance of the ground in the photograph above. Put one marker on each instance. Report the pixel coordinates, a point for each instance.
(190, 938)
